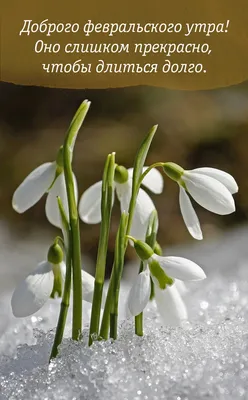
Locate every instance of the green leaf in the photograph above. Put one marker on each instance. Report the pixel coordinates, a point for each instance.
(106, 209)
(75, 125)
(140, 158)
(64, 223)
(138, 167)
(117, 274)
(108, 187)
(120, 240)
(110, 182)
(105, 186)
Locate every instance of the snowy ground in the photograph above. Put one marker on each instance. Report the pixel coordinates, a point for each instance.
(208, 359)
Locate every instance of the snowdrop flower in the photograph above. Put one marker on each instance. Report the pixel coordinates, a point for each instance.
(48, 177)
(90, 202)
(46, 281)
(209, 187)
(161, 270)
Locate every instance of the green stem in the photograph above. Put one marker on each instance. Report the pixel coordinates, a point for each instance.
(67, 286)
(63, 308)
(139, 318)
(117, 274)
(106, 208)
(77, 280)
(151, 236)
(155, 165)
(139, 324)
(104, 330)
(74, 239)
(110, 314)
(113, 324)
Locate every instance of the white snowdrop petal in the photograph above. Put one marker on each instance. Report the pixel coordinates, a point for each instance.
(221, 176)
(180, 268)
(90, 204)
(140, 293)
(124, 191)
(181, 287)
(189, 215)
(209, 193)
(34, 186)
(143, 209)
(32, 293)
(170, 306)
(87, 286)
(58, 189)
(153, 180)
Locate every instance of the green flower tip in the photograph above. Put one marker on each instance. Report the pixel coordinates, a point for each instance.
(158, 273)
(57, 283)
(55, 254)
(174, 171)
(121, 174)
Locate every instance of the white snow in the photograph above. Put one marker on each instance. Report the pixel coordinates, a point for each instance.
(207, 359)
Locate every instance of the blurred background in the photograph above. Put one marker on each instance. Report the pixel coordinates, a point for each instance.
(203, 128)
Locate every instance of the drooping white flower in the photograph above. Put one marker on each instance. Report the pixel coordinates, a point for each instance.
(45, 281)
(90, 202)
(168, 299)
(139, 294)
(178, 267)
(58, 189)
(169, 302)
(34, 291)
(170, 305)
(48, 177)
(209, 187)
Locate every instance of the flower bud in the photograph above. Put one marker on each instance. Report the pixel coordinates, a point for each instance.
(55, 254)
(143, 250)
(121, 174)
(173, 171)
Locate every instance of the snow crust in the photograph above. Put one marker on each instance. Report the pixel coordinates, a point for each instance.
(206, 359)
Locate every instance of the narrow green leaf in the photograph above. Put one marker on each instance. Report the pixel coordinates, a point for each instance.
(67, 284)
(138, 167)
(106, 209)
(105, 186)
(120, 245)
(140, 158)
(75, 125)
(117, 274)
(64, 223)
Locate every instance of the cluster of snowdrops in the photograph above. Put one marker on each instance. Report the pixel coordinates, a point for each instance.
(161, 278)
